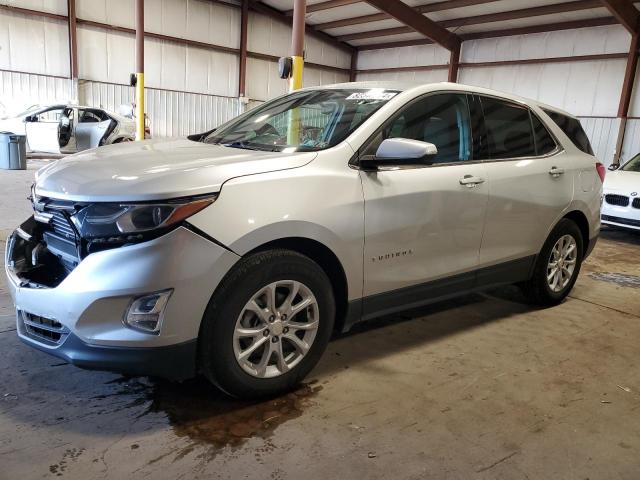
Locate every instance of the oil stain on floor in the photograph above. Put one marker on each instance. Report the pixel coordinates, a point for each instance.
(199, 412)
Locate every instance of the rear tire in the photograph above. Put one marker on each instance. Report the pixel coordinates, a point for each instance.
(249, 309)
(557, 266)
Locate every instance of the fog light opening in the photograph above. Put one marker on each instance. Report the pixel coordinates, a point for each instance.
(145, 313)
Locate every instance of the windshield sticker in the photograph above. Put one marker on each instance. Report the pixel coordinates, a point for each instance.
(374, 94)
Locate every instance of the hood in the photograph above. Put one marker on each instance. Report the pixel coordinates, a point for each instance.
(623, 182)
(156, 170)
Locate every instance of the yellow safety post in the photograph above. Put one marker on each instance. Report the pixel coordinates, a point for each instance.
(139, 70)
(297, 67)
(140, 106)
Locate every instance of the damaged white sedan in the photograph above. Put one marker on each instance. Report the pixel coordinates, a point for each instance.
(69, 128)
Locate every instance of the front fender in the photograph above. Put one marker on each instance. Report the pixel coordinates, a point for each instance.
(316, 202)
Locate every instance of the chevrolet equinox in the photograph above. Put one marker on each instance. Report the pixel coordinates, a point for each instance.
(237, 252)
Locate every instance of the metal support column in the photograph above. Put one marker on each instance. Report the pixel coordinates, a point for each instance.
(295, 81)
(139, 69)
(353, 71)
(242, 71)
(454, 64)
(73, 42)
(625, 97)
(73, 48)
(297, 44)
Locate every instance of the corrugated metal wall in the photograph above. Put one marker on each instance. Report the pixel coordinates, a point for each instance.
(170, 113)
(269, 37)
(21, 90)
(39, 45)
(603, 134)
(34, 45)
(189, 88)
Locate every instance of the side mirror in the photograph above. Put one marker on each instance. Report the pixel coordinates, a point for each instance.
(614, 166)
(31, 118)
(395, 152)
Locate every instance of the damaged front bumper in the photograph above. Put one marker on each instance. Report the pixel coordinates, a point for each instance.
(77, 313)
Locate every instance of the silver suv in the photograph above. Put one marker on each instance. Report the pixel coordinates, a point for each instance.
(238, 252)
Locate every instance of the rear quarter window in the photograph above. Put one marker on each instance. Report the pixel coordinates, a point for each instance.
(572, 129)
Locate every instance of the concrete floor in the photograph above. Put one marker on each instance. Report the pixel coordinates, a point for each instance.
(484, 387)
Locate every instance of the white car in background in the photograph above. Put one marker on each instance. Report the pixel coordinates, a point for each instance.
(69, 128)
(621, 205)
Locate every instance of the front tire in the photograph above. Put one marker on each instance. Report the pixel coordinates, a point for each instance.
(557, 266)
(267, 324)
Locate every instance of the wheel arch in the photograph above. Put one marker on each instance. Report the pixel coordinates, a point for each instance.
(580, 219)
(326, 259)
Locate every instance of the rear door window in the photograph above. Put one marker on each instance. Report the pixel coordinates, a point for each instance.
(545, 143)
(572, 129)
(509, 131)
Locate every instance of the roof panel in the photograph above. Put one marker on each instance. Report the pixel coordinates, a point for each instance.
(390, 38)
(339, 13)
(366, 27)
(491, 8)
(531, 21)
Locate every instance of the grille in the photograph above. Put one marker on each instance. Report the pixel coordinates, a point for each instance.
(42, 329)
(61, 225)
(623, 221)
(636, 203)
(618, 200)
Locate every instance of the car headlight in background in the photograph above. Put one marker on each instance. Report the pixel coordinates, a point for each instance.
(123, 222)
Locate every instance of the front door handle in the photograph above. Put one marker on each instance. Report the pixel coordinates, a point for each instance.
(470, 181)
(555, 172)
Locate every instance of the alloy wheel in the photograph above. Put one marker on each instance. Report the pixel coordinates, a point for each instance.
(276, 329)
(562, 263)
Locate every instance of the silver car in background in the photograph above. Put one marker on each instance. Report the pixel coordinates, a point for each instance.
(238, 252)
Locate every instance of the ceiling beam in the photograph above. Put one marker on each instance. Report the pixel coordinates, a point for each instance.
(418, 22)
(553, 9)
(280, 16)
(625, 12)
(317, 7)
(550, 27)
(376, 17)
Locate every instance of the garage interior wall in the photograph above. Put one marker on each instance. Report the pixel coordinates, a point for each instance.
(188, 88)
(589, 89)
(191, 89)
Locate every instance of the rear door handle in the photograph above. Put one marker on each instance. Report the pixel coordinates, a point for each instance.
(470, 181)
(555, 172)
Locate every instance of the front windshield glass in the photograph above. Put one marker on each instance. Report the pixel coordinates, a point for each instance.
(632, 165)
(302, 121)
(29, 110)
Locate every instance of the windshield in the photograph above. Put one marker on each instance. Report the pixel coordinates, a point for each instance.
(29, 110)
(632, 165)
(302, 121)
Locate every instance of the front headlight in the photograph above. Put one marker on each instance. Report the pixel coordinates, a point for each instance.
(128, 221)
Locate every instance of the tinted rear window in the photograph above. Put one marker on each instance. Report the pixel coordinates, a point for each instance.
(572, 129)
(509, 130)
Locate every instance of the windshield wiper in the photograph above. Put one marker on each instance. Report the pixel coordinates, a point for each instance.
(243, 145)
(251, 146)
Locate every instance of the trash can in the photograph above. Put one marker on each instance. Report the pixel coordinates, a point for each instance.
(13, 151)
